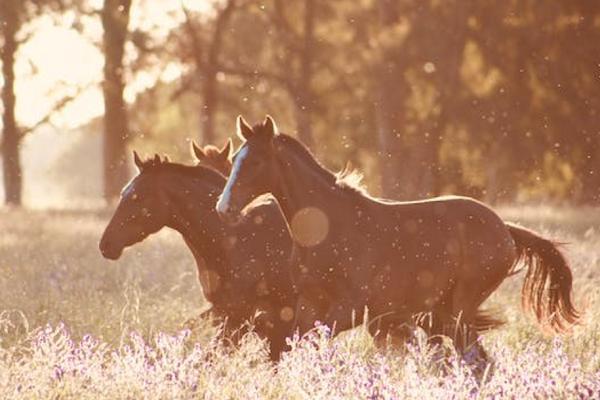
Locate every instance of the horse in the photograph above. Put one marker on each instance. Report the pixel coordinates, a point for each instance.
(440, 257)
(237, 266)
(220, 160)
(213, 157)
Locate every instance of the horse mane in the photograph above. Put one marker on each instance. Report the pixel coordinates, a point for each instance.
(157, 164)
(347, 179)
(351, 178)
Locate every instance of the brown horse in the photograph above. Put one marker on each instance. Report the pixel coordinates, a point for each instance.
(220, 160)
(213, 157)
(242, 269)
(442, 256)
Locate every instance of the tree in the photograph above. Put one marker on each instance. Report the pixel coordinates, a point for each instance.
(391, 89)
(287, 57)
(420, 95)
(11, 20)
(115, 21)
(206, 59)
(296, 71)
(301, 90)
(546, 105)
(14, 15)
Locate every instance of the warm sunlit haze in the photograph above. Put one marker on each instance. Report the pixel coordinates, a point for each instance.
(59, 59)
(311, 199)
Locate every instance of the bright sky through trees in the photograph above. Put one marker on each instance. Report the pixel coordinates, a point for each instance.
(58, 60)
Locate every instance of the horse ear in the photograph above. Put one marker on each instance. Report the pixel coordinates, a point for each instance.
(157, 159)
(225, 151)
(244, 131)
(198, 152)
(138, 161)
(270, 126)
(166, 158)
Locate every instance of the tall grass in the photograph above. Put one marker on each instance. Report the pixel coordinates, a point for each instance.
(73, 325)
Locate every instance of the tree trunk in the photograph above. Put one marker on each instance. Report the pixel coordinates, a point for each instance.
(304, 123)
(388, 109)
(11, 137)
(425, 164)
(590, 180)
(304, 98)
(209, 108)
(210, 90)
(391, 91)
(115, 21)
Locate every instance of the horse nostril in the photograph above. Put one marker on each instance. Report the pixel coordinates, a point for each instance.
(103, 245)
(108, 250)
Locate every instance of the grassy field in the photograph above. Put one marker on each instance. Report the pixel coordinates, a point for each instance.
(73, 325)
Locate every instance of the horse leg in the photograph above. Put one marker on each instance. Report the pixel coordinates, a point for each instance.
(390, 334)
(307, 312)
(474, 355)
(339, 312)
(200, 320)
(439, 321)
(342, 315)
(465, 304)
(277, 344)
(438, 324)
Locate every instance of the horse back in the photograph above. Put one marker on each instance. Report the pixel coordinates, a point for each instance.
(454, 229)
(439, 211)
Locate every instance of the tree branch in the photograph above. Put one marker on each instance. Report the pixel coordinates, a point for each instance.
(193, 32)
(60, 105)
(291, 37)
(25, 38)
(250, 73)
(186, 84)
(217, 37)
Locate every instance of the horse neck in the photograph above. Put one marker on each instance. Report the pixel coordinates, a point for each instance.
(191, 208)
(304, 183)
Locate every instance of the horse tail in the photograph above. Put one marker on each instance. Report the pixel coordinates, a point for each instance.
(485, 320)
(548, 282)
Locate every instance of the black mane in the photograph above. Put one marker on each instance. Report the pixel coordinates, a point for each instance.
(196, 171)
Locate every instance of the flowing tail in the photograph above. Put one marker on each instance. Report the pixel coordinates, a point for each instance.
(548, 283)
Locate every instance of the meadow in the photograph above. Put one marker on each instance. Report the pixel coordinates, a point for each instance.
(73, 325)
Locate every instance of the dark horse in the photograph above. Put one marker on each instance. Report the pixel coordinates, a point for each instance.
(441, 257)
(237, 266)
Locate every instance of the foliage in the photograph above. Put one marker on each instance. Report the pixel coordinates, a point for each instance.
(418, 95)
(466, 80)
(173, 366)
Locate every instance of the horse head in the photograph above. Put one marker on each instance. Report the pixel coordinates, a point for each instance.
(254, 168)
(141, 211)
(212, 157)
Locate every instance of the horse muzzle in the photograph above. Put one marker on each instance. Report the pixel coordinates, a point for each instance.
(228, 214)
(110, 251)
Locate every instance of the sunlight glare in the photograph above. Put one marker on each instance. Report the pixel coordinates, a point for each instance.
(49, 65)
(58, 59)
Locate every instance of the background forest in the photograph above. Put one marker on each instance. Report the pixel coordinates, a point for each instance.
(496, 100)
